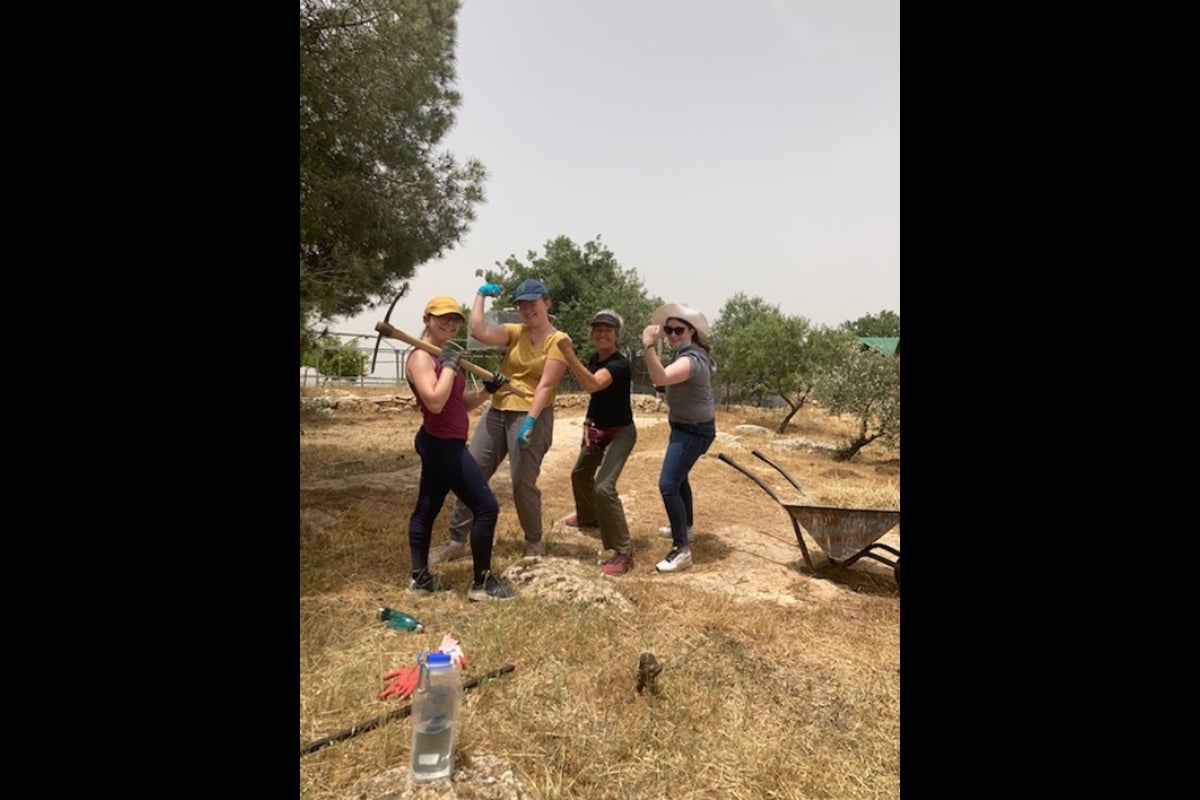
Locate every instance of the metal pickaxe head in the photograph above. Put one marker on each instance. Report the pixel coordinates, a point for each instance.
(387, 318)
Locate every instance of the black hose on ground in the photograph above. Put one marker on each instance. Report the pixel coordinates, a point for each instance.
(363, 727)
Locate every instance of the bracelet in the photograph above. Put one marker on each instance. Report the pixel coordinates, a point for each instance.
(647, 346)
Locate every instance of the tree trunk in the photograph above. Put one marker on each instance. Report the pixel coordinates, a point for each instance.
(795, 409)
(783, 425)
(851, 449)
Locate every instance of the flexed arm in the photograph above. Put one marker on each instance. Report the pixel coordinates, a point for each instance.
(480, 330)
(591, 382)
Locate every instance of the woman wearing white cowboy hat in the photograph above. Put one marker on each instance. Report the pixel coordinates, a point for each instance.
(691, 414)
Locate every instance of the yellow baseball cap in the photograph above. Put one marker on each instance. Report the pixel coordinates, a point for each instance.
(443, 304)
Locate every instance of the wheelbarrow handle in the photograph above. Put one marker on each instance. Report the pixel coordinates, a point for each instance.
(751, 476)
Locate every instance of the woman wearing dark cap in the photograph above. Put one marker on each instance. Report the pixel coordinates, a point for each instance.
(608, 437)
(691, 414)
(520, 428)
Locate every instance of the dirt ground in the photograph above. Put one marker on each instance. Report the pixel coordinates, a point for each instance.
(744, 543)
(359, 477)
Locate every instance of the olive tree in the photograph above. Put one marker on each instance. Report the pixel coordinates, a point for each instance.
(864, 384)
(330, 357)
(884, 324)
(764, 354)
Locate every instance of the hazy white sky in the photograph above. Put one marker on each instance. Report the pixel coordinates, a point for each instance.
(715, 146)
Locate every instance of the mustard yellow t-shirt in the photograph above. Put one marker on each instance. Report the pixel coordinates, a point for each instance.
(523, 364)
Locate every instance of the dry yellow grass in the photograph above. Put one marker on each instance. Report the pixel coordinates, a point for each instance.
(777, 681)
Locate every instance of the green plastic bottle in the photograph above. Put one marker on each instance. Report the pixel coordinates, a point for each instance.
(399, 620)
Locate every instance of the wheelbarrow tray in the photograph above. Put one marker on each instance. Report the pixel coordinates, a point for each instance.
(844, 535)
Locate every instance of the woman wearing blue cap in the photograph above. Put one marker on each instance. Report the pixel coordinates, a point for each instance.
(518, 427)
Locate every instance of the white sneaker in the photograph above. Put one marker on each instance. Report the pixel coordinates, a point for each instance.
(448, 551)
(665, 532)
(675, 561)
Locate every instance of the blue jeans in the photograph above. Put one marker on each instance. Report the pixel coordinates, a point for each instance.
(688, 442)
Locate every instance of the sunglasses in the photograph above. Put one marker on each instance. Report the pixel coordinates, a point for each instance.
(680, 331)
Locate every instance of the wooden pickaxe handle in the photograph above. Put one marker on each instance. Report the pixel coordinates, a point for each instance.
(433, 349)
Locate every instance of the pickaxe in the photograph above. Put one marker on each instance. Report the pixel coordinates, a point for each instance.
(386, 317)
(386, 329)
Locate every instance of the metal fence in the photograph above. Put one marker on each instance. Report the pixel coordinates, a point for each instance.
(389, 365)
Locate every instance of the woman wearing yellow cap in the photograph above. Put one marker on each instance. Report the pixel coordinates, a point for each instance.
(446, 464)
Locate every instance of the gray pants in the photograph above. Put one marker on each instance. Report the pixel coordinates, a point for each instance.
(594, 483)
(494, 439)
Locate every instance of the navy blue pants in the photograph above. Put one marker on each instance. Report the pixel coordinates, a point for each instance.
(447, 466)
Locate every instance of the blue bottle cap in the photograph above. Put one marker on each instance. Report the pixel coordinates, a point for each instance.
(439, 659)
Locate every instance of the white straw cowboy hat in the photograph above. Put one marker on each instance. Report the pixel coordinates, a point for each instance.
(686, 313)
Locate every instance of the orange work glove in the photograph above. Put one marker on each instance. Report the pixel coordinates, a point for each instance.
(403, 681)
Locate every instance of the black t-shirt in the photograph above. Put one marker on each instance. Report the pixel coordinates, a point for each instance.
(610, 407)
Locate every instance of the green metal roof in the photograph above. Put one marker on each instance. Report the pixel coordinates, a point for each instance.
(888, 345)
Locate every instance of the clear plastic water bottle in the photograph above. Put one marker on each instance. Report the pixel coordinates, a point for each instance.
(436, 704)
(399, 620)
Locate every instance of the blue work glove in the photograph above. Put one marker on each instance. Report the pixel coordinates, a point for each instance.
(526, 429)
(490, 290)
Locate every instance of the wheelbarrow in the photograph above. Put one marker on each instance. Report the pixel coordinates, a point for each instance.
(845, 535)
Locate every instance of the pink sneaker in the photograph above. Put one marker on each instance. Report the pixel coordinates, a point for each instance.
(618, 565)
(573, 522)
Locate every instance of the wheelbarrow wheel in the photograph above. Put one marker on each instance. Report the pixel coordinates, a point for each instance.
(896, 571)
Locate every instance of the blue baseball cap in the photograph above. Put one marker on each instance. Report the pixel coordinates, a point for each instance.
(531, 289)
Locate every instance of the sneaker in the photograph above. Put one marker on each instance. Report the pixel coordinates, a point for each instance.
(675, 561)
(573, 522)
(428, 583)
(665, 532)
(492, 588)
(447, 551)
(534, 551)
(618, 565)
